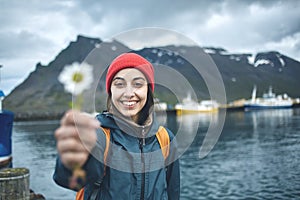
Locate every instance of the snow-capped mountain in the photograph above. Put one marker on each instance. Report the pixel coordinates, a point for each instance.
(41, 95)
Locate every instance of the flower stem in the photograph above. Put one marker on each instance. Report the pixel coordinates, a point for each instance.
(77, 102)
(77, 179)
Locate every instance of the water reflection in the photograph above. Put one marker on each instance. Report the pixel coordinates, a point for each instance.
(161, 118)
(199, 119)
(256, 157)
(37, 133)
(278, 116)
(190, 125)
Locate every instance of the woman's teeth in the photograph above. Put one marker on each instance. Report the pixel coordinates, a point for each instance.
(129, 103)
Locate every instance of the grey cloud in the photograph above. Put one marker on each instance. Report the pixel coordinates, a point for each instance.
(173, 14)
(148, 13)
(21, 36)
(23, 44)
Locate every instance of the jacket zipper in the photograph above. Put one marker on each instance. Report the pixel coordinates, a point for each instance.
(142, 144)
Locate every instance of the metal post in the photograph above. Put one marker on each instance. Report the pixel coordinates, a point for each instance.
(0, 73)
(14, 184)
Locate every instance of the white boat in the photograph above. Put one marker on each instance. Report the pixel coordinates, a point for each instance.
(188, 105)
(160, 106)
(269, 100)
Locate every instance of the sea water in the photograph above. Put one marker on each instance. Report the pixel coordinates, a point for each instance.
(257, 156)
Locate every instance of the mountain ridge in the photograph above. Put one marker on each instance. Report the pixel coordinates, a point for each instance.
(40, 95)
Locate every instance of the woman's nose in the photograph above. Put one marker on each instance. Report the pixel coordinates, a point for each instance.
(129, 91)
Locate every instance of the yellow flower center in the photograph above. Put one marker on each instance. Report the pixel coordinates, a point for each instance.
(77, 77)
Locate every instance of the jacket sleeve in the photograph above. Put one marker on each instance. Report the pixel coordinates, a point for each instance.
(173, 171)
(173, 180)
(93, 167)
(61, 174)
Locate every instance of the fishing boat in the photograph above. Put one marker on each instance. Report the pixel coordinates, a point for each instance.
(269, 100)
(6, 121)
(160, 106)
(188, 105)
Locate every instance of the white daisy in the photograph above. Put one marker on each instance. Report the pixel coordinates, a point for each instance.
(76, 77)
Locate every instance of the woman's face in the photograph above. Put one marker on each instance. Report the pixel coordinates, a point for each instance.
(129, 91)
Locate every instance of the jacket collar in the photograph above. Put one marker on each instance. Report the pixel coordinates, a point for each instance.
(126, 125)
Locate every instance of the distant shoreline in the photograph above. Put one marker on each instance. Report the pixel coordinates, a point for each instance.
(37, 116)
(57, 116)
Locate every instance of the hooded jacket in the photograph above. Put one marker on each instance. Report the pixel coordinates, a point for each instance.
(135, 169)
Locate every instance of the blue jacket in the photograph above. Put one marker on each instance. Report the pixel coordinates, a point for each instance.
(135, 168)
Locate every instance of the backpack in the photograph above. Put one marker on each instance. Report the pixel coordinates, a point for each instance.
(163, 140)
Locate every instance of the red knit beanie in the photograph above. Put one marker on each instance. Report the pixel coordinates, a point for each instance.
(130, 60)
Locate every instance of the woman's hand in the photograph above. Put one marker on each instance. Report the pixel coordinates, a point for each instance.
(76, 137)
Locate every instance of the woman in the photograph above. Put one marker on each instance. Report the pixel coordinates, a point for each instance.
(132, 171)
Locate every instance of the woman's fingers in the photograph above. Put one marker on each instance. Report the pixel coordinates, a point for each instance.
(76, 137)
(73, 117)
(65, 132)
(73, 138)
(72, 159)
(70, 145)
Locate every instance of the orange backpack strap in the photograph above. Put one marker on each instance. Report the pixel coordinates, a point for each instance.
(107, 136)
(80, 193)
(163, 138)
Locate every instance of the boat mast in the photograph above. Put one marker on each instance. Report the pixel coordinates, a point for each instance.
(0, 74)
(253, 94)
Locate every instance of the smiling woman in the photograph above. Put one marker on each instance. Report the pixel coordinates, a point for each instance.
(129, 126)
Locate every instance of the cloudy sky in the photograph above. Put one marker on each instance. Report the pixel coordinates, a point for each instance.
(33, 31)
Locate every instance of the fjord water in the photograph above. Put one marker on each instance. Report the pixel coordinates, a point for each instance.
(256, 157)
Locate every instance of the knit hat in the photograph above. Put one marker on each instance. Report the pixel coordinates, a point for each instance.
(130, 60)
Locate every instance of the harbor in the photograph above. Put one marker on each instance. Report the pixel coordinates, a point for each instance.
(269, 100)
(255, 156)
(240, 152)
(28, 153)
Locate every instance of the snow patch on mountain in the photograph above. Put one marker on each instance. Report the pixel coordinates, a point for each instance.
(280, 59)
(234, 57)
(251, 59)
(272, 60)
(263, 62)
(212, 50)
(209, 51)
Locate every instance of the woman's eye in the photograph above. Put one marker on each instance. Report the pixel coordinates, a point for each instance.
(119, 84)
(138, 84)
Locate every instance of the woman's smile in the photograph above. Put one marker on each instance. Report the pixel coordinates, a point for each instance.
(129, 91)
(129, 104)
